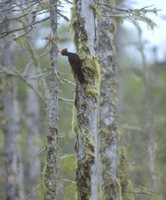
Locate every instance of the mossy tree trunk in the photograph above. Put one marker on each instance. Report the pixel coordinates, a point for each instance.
(86, 101)
(108, 110)
(51, 173)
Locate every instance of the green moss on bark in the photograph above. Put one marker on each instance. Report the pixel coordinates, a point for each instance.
(123, 168)
(96, 10)
(86, 97)
(92, 75)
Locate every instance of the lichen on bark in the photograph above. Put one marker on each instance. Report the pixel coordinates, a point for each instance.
(123, 168)
(13, 185)
(52, 168)
(108, 114)
(86, 101)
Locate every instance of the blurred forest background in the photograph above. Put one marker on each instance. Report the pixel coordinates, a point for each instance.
(141, 104)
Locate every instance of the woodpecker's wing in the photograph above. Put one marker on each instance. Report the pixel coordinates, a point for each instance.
(74, 59)
(76, 64)
(77, 71)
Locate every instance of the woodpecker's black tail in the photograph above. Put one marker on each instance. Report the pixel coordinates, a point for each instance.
(81, 77)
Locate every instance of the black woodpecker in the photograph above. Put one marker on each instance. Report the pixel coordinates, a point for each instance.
(76, 64)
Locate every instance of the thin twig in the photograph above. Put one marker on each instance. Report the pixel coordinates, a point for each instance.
(38, 76)
(16, 5)
(40, 152)
(67, 100)
(16, 74)
(67, 180)
(24, 34)
(16, 18)
(4, 34)
(33, 190)
(66, 81)
(69, 2)
(66, 156)
(135, 128)
(63, 16)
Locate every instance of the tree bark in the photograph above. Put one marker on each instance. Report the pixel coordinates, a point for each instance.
(13, 165)
(86, 101)
(33, 167)
(13, 168)
(51, 176)
(108, 109)
(32, 122)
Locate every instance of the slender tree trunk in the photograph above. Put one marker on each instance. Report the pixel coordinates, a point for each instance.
(18, 134)
(12, 159)
(51, 176)
(108, 110)
(148, 112)
(33, 139)
(86, 101)
(33, 167)
(149, 126)
(13, 165)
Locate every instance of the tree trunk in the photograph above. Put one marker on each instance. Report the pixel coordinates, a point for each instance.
(108, 110)
(51, 176)
(33, 167)
(148, 111)
(13, 165)
(33, 139)
(86, 101)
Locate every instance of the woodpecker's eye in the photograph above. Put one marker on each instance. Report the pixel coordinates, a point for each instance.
(63, 50)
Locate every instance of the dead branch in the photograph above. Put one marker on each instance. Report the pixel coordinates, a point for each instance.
(23, 78)
(4, 34)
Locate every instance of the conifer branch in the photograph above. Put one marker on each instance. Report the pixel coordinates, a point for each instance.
(131, 14)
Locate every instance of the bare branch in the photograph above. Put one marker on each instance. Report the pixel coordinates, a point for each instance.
(63, 16)
(67, 156)
(18, 75)
(66, 81)
(16, 18)
(4, 34)
(67, 180)
(24, 34)
(33, 190)
(5, 2)
(135, 128)
(67, 100)
(38, 76)
(16, 5)
(69, 2)
(131, 14)
(40, 152)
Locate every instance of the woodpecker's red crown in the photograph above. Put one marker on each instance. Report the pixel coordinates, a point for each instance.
(63, 50)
